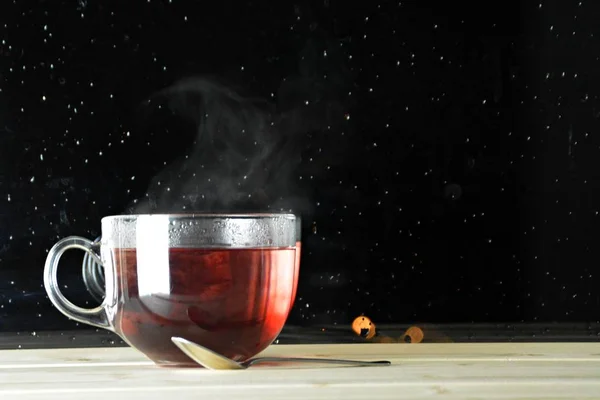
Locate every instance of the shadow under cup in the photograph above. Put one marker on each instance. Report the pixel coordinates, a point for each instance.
(226, 282)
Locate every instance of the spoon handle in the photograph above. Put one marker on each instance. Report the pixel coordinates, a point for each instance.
(315, 361)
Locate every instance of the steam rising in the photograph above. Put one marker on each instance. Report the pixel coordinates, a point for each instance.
(244, 155)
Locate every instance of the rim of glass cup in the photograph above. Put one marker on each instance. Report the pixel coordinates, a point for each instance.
(210, 230)
(207, 215)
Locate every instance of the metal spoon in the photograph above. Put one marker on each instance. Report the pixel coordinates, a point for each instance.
(211, 360)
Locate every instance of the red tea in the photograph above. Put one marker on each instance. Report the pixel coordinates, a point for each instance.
(233, 301)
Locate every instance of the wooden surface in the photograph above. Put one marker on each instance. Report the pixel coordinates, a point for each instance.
(442, 371)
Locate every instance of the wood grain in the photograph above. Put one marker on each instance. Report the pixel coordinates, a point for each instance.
(444, 371)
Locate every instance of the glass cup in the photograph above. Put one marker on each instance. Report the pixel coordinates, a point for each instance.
(225, 281)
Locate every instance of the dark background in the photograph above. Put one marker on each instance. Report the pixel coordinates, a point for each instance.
(443, 155)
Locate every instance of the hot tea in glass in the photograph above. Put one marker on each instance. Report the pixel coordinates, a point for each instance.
(227, 282)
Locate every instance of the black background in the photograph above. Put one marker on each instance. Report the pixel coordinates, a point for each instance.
(443, 155)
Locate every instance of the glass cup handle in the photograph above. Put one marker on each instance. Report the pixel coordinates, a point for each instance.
(93, 316)
(94, 275)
